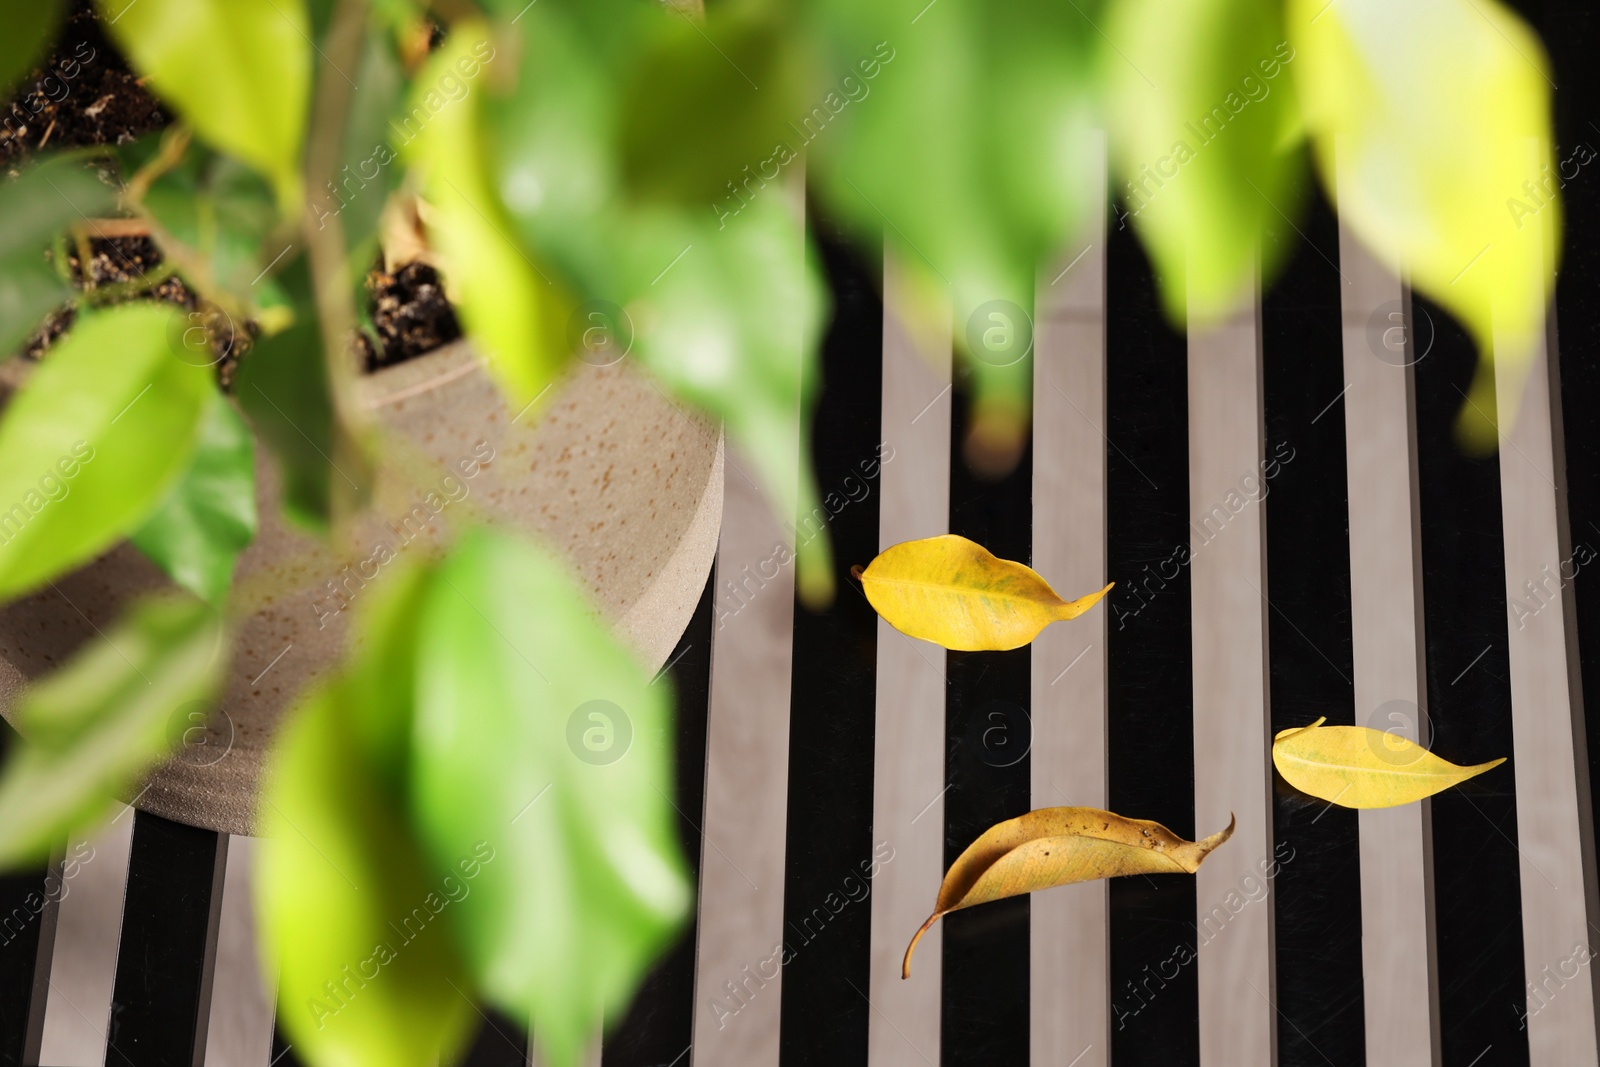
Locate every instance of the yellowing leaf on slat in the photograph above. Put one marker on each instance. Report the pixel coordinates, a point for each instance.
(1359, 767)
(1438, 112)
(1059, 846)
(956, 593)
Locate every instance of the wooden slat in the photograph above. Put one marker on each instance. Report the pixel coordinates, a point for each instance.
(1070, 949)
(1555, 831)
(908, 746)
(85, 959)
(1232, 733)
(240, 1029)
(1399, 961)
(738, 976)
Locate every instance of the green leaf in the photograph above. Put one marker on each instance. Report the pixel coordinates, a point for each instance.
(966, 149)
(693, 125)
(218, 208)
(29, 290)
(94, 440)
(735, 317)
(283, 388)
(1439, 112)
(357, 924)
(538, 733)
(726, 311)
(29, 30)
(370, 171)
(1203, 126)
(93, 728)
(511, 308)
(238, 71)
(197, 533)
(42, 202)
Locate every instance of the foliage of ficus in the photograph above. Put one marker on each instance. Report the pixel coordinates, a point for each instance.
(1203, 116)
(1359, 767)
(1431, 122)
(956, 593)
(239, 71)
(36, 207)
(589, 884)
(515, 313)
(356, 921)
(1058, 846)
(94, 727)
(209, 517)
(719, 300)
(959, 133)
(440, 777)
(94, 441)
(28, 30)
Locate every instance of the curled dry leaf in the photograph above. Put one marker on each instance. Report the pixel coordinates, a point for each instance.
(956, 593)
(1059, 846)
(1359, 767)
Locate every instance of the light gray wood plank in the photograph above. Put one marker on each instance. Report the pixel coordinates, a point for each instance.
(738, 973)
(1232, 730)
(1398, 958)
(83, 967)
(240, 1030)
(1555, 831)
(1069, 961)
(908, 747)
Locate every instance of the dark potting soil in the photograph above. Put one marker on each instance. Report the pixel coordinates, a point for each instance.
(83, 94)
(410, 313)
(131, 262)
(86, 94)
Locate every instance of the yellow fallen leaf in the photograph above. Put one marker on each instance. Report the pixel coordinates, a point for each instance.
(1359, 767)
(956, 593)
(1059, 846)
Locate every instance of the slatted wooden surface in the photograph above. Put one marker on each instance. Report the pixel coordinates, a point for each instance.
(1293, 534)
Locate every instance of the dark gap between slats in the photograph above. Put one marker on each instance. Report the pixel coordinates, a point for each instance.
(500, 1043)
(1572, 34)
(984, 1017)
(161, 1001)
(655, 1031)
(1150, 720)
(829, 854)
(1316, 853)
(27, 935)
(1477, 896)
(282, 1051)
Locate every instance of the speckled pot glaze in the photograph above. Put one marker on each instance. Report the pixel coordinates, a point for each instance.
(613, 474)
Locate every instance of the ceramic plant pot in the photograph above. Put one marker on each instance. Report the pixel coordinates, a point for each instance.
(615, 476)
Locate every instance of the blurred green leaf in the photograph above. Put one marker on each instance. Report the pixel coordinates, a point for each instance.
(729, 320)
(29, 29)
(42, 202)
(355, 922)
(370, 171)
(960, 132)
(538, 733)
(283, 387)
(93, 728)
(94, 440)
(704, 106)
(197, 533)
(238, 71)
(726, 308)
(1203, 120)
(1439, 114)
(217, 208)
(512, 309)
